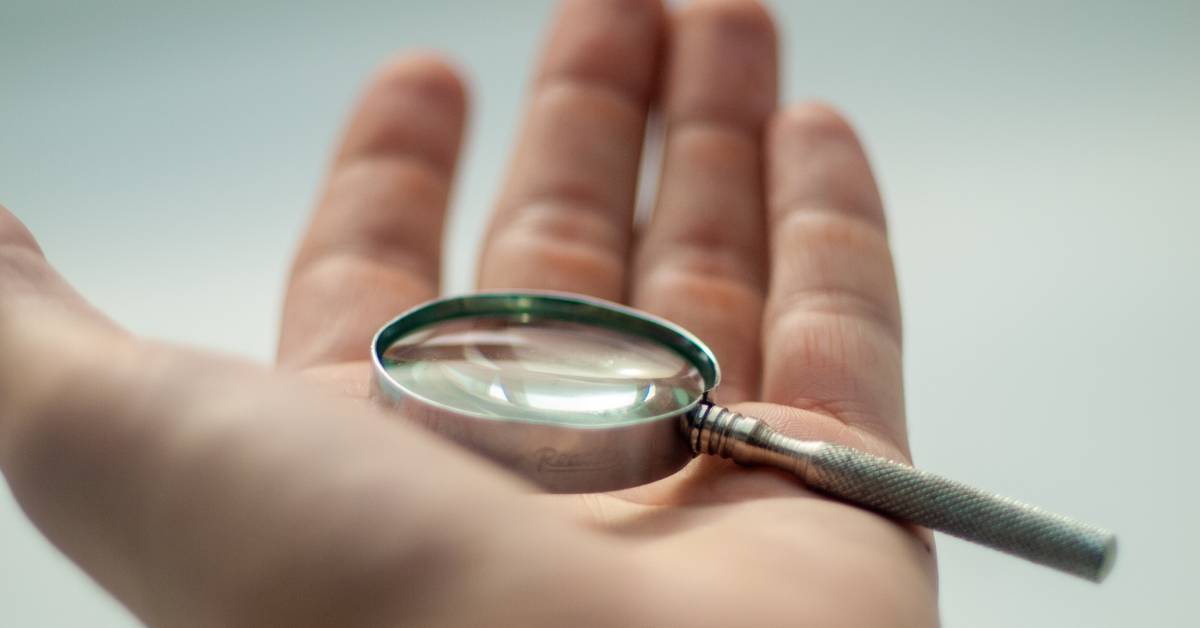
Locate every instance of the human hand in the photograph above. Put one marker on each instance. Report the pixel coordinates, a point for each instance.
(202, 491)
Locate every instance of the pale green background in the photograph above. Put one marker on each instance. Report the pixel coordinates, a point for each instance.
(1039, 160)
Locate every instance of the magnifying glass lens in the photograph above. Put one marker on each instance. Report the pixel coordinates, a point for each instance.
(543, 370)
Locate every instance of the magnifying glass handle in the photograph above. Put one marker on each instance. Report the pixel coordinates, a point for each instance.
(907, 494)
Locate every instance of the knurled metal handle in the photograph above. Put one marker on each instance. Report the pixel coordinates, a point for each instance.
(907, 494)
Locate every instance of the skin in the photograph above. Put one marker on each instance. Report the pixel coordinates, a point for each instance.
(201, 490)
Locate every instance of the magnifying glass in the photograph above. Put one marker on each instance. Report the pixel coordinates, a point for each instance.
(583, 395)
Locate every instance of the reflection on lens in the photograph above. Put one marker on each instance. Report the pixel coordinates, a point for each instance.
(543, 370)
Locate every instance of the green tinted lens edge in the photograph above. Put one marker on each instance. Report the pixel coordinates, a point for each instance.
(553, 306)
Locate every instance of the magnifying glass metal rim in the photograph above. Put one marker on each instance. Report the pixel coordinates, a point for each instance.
(558, 457)
(526, 306)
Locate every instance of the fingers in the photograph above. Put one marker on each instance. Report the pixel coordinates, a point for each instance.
(205, 492)
(832, 323)
(701, 261)
(564, 217)
(373, 248)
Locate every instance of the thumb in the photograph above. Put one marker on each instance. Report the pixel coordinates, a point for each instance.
(198, 487)
(204, 491)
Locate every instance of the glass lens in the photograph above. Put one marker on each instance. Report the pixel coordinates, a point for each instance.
(543, 370)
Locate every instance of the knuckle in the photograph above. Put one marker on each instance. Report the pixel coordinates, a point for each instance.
(720, 151)
(845, 359)
(572, 220)
(709, 256)
(828, 335)
(378, 208)
(717, 281)
(841, 302)
(802, 224)
(602, 102)
(556, 242)
(557, 261)
(846, 270)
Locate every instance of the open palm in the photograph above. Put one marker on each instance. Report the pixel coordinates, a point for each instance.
(202, 491)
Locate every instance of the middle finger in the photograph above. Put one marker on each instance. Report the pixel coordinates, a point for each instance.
(701, 261)
(564, 216)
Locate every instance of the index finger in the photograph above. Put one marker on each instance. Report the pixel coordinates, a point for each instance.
(373, 248)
